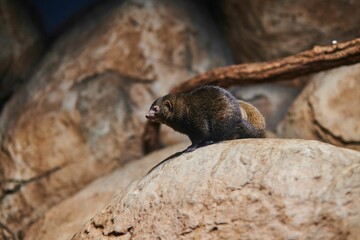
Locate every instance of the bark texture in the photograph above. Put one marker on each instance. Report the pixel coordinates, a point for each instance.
(318, 59)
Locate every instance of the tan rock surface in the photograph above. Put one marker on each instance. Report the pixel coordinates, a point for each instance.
(328, 109)
(262, 30)
(62, 221)
(244, 189)
(21, 46)
(82, 113)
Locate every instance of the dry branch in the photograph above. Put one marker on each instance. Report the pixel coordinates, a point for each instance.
(318, 59)
(315, 60)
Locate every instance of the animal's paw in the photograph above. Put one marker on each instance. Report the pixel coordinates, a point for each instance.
(191, 148)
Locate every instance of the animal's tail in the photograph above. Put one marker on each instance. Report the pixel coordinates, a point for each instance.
(247, 130)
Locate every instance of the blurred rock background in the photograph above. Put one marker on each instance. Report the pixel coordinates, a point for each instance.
(77, 77)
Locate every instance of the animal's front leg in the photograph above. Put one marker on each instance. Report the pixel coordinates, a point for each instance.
(202, 143)
(191, 148)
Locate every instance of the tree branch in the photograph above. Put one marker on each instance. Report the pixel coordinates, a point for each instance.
(318, 59)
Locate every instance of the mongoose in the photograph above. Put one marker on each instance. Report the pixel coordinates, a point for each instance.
(207, 115)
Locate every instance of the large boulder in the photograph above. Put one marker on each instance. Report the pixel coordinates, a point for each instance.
(82, 113)
(327, 109)
(262, 30)
(62, 221)
(243, 189)
(21, 47)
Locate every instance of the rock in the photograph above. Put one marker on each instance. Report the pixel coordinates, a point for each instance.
(327, 110)
(243, 189)
(62, 221)
(261, 31)
(82, 113)
(21, 47)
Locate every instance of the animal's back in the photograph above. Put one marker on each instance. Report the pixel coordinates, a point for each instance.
(214, 102)
(213, 111)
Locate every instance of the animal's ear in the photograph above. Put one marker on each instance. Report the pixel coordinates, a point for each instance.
(169, 104)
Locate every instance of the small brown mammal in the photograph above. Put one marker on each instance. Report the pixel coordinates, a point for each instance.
(207, 115)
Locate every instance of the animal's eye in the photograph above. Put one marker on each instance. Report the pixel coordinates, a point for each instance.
(156, 108)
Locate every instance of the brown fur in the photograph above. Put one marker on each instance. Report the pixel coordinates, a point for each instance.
(250, 113)
(207, 114)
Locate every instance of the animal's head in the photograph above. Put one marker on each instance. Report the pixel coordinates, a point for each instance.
(161, 110)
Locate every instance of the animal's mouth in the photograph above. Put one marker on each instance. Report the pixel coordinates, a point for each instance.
(151, 117)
